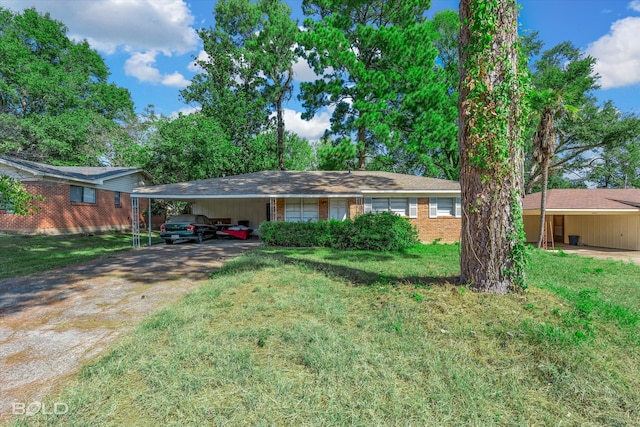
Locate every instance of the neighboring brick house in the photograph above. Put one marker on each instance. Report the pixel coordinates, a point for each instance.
(432, 205)
(76, 199)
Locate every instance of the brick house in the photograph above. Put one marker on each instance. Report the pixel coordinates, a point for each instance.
(432, 205)
(76, 199)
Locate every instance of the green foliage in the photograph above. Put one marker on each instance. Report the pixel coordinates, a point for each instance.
(196, 146)
(298, 153)
(373, 231)
(15, 198)
(564, 82)
(192, 147)
(335, 155)
(379, 71)
(249, 71)
(57, 89)
(615, 137)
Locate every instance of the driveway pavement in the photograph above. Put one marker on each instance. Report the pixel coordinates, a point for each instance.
(52, 323)
(601, 253)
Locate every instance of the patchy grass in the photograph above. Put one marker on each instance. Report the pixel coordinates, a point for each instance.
(323, 337)
(24, 255)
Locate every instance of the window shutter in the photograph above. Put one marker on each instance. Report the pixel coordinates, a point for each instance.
(413, 207)
(367, 204)
(458, 207)
(433, 207)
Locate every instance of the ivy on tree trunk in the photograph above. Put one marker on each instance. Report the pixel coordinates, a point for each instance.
(491, 115)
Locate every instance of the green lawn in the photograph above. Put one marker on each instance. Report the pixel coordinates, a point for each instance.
(24, 255)
(331, 338)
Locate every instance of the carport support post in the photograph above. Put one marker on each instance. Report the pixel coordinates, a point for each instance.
(149, 225)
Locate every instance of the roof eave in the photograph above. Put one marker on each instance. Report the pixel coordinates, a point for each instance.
(581, 211)
(238, 196)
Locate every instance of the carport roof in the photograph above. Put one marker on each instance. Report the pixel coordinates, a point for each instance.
(300, 184)
(600, 199)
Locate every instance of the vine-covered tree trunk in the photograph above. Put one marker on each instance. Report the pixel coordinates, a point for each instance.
(492, 241)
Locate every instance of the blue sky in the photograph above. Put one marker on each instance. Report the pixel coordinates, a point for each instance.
(149, 45)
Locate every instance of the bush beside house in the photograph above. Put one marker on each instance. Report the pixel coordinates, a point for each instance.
(372, 231)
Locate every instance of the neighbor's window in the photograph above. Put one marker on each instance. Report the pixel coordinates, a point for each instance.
(301, 210)
(83, 194)
(116, 198)
(6, 207)
(444, 206)
(399, 205)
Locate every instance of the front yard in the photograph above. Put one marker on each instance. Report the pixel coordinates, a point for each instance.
(322, 337)
(24, 255)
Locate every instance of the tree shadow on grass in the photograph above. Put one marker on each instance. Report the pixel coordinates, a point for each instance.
(358, 277)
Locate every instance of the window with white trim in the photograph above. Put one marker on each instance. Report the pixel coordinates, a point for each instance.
(444, 206)
(398, 205)
(83, 194)
(301, 210)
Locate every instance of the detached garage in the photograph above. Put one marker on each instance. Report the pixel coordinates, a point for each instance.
(607, 218)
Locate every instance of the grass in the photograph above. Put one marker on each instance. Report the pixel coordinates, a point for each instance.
(24, 255)
(331, 338)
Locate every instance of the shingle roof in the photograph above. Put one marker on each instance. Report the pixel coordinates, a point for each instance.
(300, 183)
(586, 199)
(78, 173)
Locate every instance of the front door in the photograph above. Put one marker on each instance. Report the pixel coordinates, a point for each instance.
(338, 209)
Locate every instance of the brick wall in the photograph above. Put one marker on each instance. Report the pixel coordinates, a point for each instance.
(446, 229)
(443, 229)
(58, 214)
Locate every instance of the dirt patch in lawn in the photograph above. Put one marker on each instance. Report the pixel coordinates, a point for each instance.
(52, 323)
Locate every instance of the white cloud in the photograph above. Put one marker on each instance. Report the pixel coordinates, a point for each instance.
(141, 65)
(635, 5)
(138, 25)
(311, 129)
(185, 111)
(140, 28)
(193, 65)
(175, 80)
(618, 54)
(302, 72)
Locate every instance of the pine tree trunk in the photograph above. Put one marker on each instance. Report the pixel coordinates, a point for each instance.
(280, 125)
(362, 150)
(491, 175)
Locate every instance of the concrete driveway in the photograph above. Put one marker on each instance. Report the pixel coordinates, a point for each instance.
(601, 253)
(53, 322)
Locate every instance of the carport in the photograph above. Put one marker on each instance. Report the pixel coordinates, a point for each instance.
(253, 209)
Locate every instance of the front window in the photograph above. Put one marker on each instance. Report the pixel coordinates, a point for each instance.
(116, 198)
(301, 210)
(83, 194)
(398, 206)
(444, 207)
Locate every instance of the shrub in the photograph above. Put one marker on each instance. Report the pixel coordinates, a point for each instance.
(373, 231)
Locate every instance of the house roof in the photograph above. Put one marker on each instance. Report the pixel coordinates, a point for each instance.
(300, 184)
(94, 175)
(601, 199)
